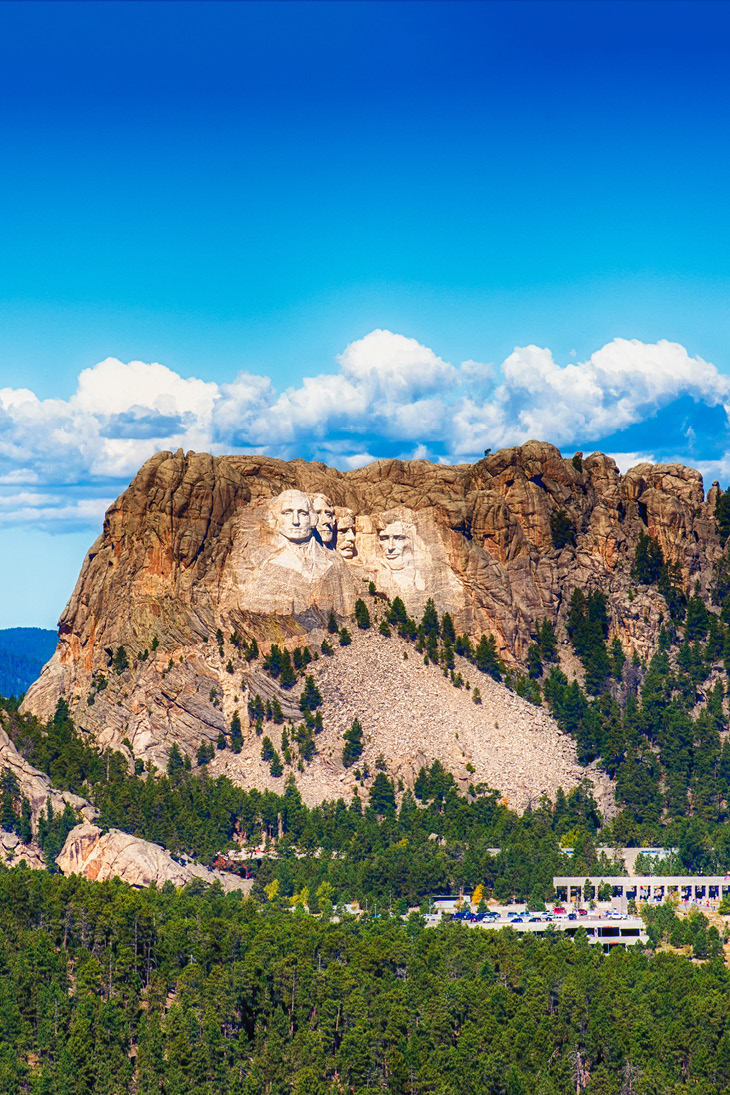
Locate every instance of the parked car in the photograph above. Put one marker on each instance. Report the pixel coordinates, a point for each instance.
(582, 912)
(572, 916)
(559, 909)
(535, 920)
(517, 920)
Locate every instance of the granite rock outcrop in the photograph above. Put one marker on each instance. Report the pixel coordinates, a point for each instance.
(36, 787)
(202, 550)
(99, 856)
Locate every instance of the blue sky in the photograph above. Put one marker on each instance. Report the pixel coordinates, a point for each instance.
(350, 230)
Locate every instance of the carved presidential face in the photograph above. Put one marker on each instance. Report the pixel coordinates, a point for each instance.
(326, 522)
(393, 541)
(295, 517)
(346, 536)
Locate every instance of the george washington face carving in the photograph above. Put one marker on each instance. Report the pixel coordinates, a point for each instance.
(346, 535)
(326, 522)
(295, 518)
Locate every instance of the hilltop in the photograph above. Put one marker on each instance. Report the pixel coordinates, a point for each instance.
(203, 560)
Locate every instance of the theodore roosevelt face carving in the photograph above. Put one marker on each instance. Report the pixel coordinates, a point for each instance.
(295, 517)
(326, 522)
(393, 540)
(346, 536)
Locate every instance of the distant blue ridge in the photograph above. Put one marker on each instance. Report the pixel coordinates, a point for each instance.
(23, 653)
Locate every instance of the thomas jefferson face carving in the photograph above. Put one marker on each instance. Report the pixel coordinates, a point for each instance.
(346, 536)
(295, 517)
(393, 540)
(326, 521)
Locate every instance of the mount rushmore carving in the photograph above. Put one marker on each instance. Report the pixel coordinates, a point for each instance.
(297, 552)
(260, 548)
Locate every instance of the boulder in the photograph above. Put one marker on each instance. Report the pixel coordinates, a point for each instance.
(99, 856)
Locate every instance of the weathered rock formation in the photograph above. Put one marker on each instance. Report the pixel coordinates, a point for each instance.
(13, 852)
(100, 856)
(260, 548)
(36, 786)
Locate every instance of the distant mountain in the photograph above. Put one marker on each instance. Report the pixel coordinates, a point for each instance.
(23, 653)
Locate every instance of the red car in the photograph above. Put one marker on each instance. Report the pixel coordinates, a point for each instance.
(582, 912)
(559, 909)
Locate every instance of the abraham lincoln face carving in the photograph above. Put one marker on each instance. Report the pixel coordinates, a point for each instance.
(393, 542)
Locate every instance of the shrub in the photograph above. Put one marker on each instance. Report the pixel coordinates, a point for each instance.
(345, 637)
(562, 529)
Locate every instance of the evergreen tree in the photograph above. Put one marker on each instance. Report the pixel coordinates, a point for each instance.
(332, 625)
(397, 614)
(722, 516)
(562, 529)
(547, 641)
(618, 658)
(236, 735)
(345, 637)
(362, 616)
(353, 743)
(311, 697)
(287, 677)
(534, 661)
(120, 661)
(487, 659)
(448, 634)
(430, 620)
(205, 753)
(175, 760)
(382, 795)
(648, 560)
(697, 620)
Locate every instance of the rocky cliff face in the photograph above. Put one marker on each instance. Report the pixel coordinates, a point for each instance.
(100, 856)
(36, 786)
(264, 549)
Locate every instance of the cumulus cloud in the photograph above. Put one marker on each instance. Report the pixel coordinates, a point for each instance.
(62, 460)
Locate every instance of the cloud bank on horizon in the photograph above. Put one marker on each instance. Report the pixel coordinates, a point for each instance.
(63, 461)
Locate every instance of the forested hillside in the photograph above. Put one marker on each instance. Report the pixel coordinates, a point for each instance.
(105, 991)
(23, 653)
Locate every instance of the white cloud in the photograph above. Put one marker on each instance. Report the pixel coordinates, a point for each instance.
(389, 395)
